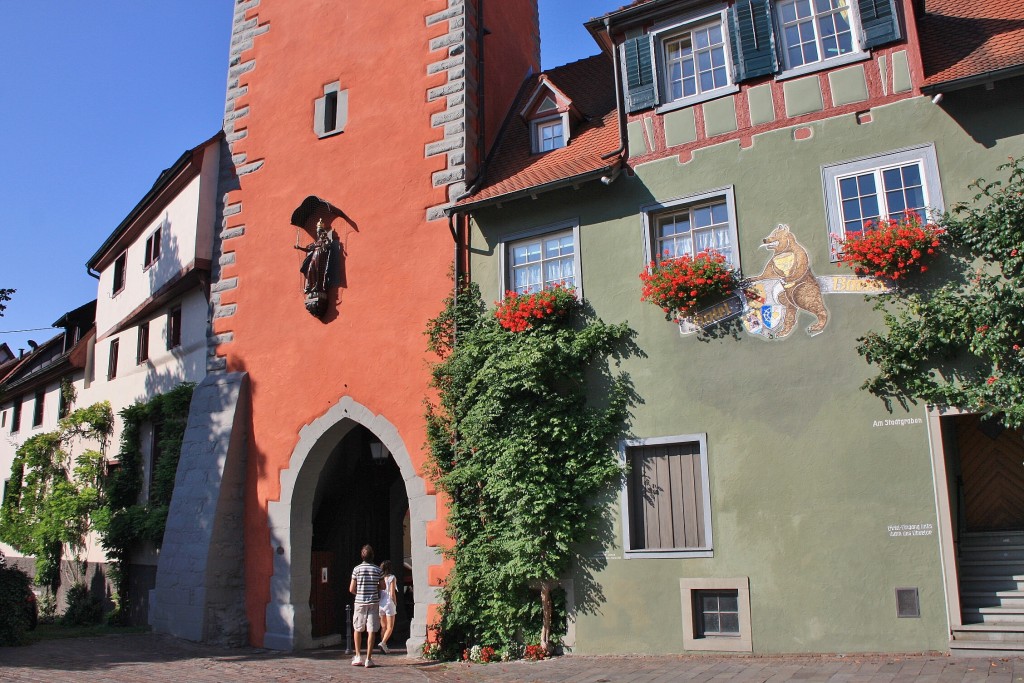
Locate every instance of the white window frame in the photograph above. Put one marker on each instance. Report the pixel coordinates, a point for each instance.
(537, 126)
(628, 552)
(666, 32)
(857, 54)
(651, 213)
(831, 174)
(505, 248)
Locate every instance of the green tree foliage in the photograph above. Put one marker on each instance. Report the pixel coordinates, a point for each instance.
(523, 455)
(52, 494)
(5, 295)
(123, 522)
(961, 343)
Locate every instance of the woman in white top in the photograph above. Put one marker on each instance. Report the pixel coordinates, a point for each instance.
(388, 601)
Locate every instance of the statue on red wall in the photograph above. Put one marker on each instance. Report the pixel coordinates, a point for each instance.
(316, 269)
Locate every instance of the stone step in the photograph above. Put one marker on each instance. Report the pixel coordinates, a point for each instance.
(998, 598)
(991, 552)
(994, 615)
(985, 648)
(992, 538)
(1013, 633)
(1010, 567)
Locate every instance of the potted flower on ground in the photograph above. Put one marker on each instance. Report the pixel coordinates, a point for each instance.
(683, 285)
(891, 248)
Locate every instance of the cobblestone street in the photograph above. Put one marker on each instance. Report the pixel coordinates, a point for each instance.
(159, 659)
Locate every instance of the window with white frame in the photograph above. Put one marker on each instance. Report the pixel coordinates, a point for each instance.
(896, 185)
(542, 261)
(695, 61)
(549, 134)
(815, 30)
(667, 502)
(691, 225)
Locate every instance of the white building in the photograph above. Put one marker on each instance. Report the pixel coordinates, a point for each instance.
(151, 321)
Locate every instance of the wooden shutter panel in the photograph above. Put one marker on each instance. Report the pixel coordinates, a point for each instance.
(752, 36)
(638, 63)
(879, 21)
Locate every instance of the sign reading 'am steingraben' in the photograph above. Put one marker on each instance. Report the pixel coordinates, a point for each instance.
(898, 422)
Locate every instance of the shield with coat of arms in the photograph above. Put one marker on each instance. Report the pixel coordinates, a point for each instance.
(771, 316)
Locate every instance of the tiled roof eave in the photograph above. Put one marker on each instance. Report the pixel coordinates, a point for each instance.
(467, 206)
(970, 81)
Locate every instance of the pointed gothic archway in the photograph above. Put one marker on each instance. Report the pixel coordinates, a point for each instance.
(289, 621)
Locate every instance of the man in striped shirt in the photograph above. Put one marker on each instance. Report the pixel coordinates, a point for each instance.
(366, 584)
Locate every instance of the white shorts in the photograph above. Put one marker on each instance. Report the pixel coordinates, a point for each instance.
(387, 609)
(365, 617)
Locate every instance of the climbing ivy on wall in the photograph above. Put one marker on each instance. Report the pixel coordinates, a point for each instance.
(53, 495)
(961, 343)
(124, 522)
(523, 450)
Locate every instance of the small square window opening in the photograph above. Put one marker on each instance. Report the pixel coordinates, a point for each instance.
(716, 613)
(152, 248)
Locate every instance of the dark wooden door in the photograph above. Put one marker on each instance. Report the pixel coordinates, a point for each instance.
(992, 467)
(321, 594)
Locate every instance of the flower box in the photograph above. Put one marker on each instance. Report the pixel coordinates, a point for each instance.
(521, 312)
(892, 249)
(683, 285)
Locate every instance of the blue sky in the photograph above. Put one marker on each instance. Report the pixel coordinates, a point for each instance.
(96, 99)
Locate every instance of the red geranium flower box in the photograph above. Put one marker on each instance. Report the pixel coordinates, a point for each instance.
(683, 285)
(521, 312)
(891, 248)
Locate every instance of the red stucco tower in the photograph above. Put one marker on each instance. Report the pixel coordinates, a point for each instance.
(368, 117)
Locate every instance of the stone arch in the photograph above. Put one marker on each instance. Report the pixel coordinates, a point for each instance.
(290, 520)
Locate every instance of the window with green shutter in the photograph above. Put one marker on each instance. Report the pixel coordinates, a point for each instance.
(638, 65)
(879, 22)
(752, 36)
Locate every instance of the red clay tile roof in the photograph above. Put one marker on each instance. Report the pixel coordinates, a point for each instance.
(513, 168)
(963, 39)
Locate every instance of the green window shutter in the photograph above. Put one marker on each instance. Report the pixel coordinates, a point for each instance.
(879, 21)
(752, 36)
(638, 64)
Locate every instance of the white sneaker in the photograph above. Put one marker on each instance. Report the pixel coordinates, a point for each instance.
(384, 648)
(357, 661)
(369, 663)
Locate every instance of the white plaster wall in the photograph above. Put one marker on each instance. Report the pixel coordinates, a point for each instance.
(9, 443)
(179, 219)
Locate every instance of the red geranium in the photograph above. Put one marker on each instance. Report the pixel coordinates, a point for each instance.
(520, 312)
(682, 285)
(891, 248)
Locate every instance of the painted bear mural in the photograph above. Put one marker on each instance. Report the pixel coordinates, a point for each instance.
(786, 286)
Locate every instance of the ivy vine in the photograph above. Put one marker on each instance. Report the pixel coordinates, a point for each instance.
(961, 343)
(52, 495)
(123, 521)
(523, 452)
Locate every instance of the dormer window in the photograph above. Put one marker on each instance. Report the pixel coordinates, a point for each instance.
(550, 135)
(549, 113)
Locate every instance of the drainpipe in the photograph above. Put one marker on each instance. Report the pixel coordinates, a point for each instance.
(91, 273)
(619, 109)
